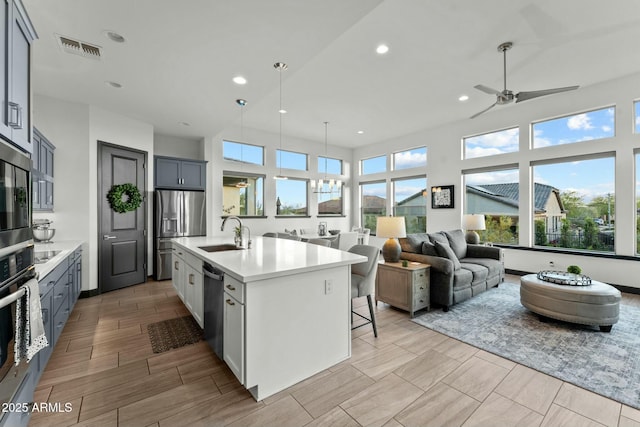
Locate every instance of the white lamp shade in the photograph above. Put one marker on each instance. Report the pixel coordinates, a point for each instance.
(473, 222)
(391, 226)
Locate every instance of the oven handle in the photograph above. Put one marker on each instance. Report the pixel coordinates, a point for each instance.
(10, 299)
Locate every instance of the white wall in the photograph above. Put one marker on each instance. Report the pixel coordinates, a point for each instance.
(74, 129)
(216, 165)
(174, 146)
(445, 166)
(66, 125)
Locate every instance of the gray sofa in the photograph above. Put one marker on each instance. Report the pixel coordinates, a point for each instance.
(458, 270)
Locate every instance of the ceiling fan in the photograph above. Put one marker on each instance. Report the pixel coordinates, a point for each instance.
(506, 96)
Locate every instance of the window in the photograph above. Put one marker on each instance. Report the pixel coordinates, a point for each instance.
(291, 197)
(373, 203)
(332, 166)
(595, 124)
(490, 144)
(637, 116)
(410, 159)
(575, 207)
(330, 203)
(242, 194)
(410, 201)
(244, 153)
(496, 195)
(291, 160)
(373, 165)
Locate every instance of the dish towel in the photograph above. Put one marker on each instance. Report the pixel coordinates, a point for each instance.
(30, 336)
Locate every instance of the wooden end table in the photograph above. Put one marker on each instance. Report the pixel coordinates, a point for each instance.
(407, 288)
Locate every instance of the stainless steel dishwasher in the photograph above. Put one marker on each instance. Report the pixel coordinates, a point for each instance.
(213, 307)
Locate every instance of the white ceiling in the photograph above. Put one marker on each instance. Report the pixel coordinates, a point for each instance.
(179, 59)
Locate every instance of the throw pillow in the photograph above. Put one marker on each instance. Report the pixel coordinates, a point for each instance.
(439, 237)
(445, 251)
(429, 248)
(457, 242)
(413, 242)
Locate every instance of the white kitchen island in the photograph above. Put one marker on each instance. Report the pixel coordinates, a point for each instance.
(287, 311)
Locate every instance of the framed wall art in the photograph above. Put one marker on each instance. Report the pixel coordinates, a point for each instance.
(442, 197)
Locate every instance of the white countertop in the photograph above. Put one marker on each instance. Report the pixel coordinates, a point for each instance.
(268, 257)
(66, 247)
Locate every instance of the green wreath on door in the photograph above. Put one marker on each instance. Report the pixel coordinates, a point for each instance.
(124, 198)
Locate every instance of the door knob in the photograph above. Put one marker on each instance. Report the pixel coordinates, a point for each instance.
(107, 237)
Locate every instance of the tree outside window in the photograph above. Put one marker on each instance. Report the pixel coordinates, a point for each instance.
(373, 203)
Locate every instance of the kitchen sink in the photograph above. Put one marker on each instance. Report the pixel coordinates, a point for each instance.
(219, 248)
(43, 256)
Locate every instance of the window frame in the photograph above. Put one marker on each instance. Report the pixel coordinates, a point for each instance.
(386, 165)
(341, 214)
(331, 158)
(240, 174)
(532, 130)
(505, 129)
(393, 158)
(306, 187)
(425, 196)
(279, 157)
(242, 161)
(361, 198)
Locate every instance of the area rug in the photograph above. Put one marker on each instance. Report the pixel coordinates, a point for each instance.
(495, 321)
(174, 333)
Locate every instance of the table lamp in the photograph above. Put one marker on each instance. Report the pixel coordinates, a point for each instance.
(391, 227)
(471, 223)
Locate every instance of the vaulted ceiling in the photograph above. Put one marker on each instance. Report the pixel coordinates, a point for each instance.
(177, 63)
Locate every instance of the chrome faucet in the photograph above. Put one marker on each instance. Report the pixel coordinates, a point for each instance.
(239, 239)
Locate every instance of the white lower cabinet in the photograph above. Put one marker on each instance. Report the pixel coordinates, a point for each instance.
(194, 289)
(233, 337)
(178, 275)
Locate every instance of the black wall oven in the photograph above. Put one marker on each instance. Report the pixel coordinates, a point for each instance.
(15, 197)
(16, 259)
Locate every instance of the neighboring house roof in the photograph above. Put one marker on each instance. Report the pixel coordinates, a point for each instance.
(333, 205)
(374, 202)
(420, 193)
(508, 193)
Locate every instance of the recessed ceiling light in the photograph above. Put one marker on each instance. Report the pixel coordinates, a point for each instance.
(463, 98)
(113, 84)
(113, 36)
(282, 111)
(184, 123)
(382, 49)
(360, 132)
(239, 80)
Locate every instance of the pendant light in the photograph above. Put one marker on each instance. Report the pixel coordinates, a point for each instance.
(318, 187)
(241, 103)
(280, 66)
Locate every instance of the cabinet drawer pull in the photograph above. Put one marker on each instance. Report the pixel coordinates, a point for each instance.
(51, 283)
(192, 279)
(59, 325)
(231, 288)
(60, 295)
(175, 265)
(422, 287)
(230, 302)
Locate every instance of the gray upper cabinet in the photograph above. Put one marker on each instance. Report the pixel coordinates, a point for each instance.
(181, 174)
(15, 51)
(42, 172)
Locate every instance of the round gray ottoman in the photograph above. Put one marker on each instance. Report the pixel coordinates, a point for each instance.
(597, 304)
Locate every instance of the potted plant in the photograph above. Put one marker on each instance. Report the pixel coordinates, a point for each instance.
(574, 269)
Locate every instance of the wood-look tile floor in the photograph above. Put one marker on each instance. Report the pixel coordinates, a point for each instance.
(104, 367)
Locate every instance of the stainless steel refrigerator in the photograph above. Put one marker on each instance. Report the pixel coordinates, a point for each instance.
(176, 214)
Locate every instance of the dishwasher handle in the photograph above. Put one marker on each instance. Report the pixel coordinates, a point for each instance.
(215, 275)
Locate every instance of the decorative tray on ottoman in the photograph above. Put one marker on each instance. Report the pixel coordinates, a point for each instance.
(564, 278)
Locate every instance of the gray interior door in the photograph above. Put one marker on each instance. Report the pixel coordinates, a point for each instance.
(123, 245)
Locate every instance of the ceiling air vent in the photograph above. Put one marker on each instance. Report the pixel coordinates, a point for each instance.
(78, 47)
